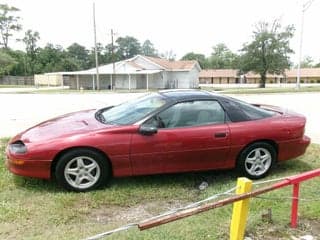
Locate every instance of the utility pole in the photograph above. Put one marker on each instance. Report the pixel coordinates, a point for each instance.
(112, 59)
(95, 47)
(305, 7)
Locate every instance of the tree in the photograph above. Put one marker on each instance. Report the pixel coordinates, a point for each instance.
(6, 62)
(79, 55)
(148, 49)
(110, 56)
(20, 66)
(128, 47)
(9, 23)
(307, 62)
(103, 58)
(169, 55)
(30, 40)
(198, 57)
(269, 50)
(222, 57)
(53, 59)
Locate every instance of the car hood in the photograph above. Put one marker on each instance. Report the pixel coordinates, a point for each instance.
(63, 126)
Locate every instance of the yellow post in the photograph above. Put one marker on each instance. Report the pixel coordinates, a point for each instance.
(240, 210)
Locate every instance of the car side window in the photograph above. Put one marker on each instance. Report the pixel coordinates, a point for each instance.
(191, 113)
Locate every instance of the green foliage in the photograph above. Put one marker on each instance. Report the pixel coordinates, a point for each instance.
(269, 50)
(222, 57)
(148, 49)
(30, 40)
(267, 53)
(104, 56)
(79, 55)
(127, 47)
(20, 58)
(9, 23)
(52, 59)
(198, 57)
(108, 56)
(307, 62)
(6, 62)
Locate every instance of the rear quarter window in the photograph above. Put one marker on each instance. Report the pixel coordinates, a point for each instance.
(239, 111)
(254, 112)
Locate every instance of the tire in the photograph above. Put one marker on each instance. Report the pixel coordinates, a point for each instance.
(256, 160)
(82, 170)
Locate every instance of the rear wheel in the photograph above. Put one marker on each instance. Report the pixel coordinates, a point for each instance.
(256, 160)
(82, 170)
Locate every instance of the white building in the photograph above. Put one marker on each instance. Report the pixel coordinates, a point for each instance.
(139, 72)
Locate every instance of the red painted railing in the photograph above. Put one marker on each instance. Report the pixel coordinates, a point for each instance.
(295, 181)
(292, 180)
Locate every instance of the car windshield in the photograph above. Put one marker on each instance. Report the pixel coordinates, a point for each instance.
(132, 111)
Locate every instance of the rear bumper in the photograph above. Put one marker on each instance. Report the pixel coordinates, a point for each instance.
(29, 168)
(293, 149)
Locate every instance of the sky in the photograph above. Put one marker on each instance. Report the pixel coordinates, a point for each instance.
(180, 26)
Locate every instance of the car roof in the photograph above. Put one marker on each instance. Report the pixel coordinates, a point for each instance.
(185, 94)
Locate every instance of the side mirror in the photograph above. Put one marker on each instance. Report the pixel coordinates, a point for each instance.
(148, 130)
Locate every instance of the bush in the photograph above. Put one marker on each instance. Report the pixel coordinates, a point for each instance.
(312, 81)
(318, 81)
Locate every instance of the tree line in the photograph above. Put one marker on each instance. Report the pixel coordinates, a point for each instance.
(268, 51)
(54, 58)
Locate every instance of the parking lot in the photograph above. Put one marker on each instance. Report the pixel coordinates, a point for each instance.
(20, 111)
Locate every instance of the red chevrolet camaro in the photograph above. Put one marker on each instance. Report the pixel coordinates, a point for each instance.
(164, 132)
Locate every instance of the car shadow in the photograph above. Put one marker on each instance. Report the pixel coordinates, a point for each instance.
(38, 185)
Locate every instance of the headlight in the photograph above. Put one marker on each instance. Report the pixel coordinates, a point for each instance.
(17, 147)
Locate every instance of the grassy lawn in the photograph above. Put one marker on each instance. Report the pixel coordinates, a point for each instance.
(46, 90)
(264, 90)
(37, 209)
(67, 91)
(15, 86)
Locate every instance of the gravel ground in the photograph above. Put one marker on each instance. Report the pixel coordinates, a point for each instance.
(20, 111)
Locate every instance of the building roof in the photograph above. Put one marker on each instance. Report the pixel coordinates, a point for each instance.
(173, 65)
(138, 65)
(216, 73)
(255, 75)
(135, 65)
(233, 73)
(304, 72)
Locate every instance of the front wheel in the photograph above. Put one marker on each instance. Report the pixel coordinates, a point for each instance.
(82, 170)
(256, 160)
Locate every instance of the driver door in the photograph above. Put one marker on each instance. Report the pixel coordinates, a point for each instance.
(191, 136)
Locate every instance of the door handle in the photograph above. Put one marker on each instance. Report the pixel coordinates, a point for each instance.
(220, 134)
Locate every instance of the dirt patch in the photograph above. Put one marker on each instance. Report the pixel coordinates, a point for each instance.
(271, 232)
(112, 214)
(312, 226)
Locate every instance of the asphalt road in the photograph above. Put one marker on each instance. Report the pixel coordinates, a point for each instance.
(20, 111)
